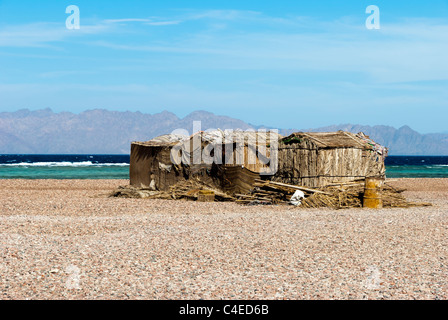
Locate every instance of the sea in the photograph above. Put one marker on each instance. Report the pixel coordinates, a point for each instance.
(109, 166)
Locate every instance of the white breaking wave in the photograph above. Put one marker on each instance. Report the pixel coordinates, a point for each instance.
(64, 164)
(436, 166)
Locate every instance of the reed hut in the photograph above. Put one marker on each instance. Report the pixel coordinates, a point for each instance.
(315, 159)
(150, 163)
(229, 160)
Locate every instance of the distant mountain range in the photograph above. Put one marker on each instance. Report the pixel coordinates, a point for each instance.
(111, 132)
(402, 141)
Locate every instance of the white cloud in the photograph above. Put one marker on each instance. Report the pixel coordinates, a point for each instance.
(396, 53)
(411, 50)
(43, 34)
(163, 23)
(150, 22)
(126, 20)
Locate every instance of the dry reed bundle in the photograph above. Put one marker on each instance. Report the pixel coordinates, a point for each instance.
(334, 196)
(186, 189)
(335, 199)
(189, 189)
(351, 195)
(138, 193)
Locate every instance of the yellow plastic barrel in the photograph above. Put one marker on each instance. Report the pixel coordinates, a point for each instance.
(372, 193)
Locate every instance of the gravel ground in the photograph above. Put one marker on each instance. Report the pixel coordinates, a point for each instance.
(60, 240)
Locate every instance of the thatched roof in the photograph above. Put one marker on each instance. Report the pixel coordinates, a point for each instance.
(320, 140)
(163, 141)
(339, 139)
(211, 137)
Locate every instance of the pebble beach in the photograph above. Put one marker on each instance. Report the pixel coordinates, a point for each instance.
(65, 239)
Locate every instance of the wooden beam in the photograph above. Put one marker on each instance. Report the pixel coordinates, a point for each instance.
(293, 187)
(314, 138)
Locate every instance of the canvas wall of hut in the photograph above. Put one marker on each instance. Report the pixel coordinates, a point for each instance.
(316, 159)
(230, 160)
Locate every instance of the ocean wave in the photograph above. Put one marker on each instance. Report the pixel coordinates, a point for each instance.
(63, 164)
(436, 166)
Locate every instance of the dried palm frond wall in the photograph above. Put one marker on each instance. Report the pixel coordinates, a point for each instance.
(319, 159)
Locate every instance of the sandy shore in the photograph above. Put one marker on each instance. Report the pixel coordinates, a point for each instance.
(59, 240)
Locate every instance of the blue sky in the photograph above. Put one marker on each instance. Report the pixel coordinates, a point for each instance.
(287, 64)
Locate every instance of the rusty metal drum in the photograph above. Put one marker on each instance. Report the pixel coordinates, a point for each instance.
(372, 193)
